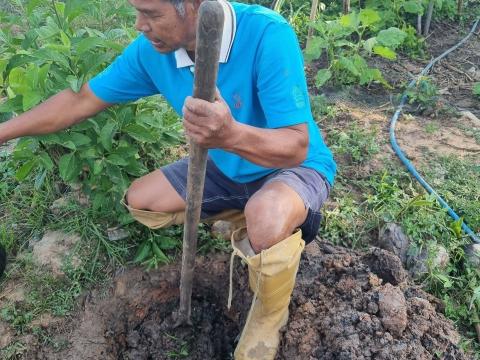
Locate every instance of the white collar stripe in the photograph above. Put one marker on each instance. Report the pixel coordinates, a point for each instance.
(228, 36)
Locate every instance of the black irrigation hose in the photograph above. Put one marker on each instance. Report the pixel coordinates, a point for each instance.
(399, 151)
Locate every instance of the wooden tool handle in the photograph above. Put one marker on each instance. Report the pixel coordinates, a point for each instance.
(209, 39)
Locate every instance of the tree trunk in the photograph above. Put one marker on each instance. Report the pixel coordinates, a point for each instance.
(419, 25)
(460, 7)
(313, 16)
(346, 6)
(428, 21)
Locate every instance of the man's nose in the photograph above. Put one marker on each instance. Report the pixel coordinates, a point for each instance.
(141, 25)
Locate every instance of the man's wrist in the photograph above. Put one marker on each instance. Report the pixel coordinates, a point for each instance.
(234, 137)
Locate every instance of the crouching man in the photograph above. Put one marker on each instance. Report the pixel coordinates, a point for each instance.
(268, 167)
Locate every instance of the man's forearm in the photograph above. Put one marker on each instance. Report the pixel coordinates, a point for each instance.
(59, 112)
(273, 148)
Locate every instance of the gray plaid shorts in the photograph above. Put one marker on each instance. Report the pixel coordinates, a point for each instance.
(221, 193)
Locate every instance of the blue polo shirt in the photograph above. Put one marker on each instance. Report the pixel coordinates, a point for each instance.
(261, 78)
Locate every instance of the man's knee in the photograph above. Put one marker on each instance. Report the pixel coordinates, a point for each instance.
(134, 196)
(266, 225)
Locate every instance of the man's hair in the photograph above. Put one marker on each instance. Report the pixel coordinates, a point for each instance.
(179, 6)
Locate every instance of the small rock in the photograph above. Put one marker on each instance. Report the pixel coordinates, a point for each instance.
(435, 256)
(393, 239)
(58, 205)
(53, 248)
(470, 116)
(6, 335)
(223, 229)
(472, 253)
(393, 309)
(441, 258)
(117, 233)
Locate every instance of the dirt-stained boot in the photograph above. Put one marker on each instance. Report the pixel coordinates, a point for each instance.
(272, 278)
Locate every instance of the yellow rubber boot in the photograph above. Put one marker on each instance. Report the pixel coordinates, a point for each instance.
(272, 276)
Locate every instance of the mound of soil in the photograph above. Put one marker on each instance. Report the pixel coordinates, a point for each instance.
(346, 305)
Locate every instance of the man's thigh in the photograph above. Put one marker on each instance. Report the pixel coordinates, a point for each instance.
(307, 192)
(154, 192)
(220, 193)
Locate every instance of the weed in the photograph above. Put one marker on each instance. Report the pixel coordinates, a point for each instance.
(358, 143)
(424, 94)
(13, 351)
(432, 127)
(476, 89)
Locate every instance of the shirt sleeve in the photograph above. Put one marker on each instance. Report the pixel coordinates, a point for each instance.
(281, 84)
(125, 79)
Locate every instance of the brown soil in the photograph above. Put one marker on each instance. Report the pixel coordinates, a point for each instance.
(346, 305)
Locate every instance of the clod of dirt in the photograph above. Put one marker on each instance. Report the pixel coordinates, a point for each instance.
(392, 309)
(472, 253)
(53, 248)
(418, 263)
(346, 305)
(6, 335)
(393, 239)
(117, 233)
(223, 229)
(386, 266)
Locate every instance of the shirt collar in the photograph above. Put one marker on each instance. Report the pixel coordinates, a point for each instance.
(229, 30)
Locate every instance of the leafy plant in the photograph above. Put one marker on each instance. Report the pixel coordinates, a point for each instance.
(424, 93)
(103, 152)
(345, 44)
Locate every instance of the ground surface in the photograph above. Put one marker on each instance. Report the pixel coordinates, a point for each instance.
(346, 305)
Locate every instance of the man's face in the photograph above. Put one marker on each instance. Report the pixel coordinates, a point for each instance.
(163, 26)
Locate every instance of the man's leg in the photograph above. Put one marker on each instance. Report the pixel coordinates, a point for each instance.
(153, 192)
(272, 246)
(273, 213)
(157, 200)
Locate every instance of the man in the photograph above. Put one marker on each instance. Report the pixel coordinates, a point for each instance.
(266, 155)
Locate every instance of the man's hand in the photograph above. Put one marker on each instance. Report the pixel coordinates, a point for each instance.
(209, 125)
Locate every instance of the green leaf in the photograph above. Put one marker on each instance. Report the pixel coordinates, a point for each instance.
(117, 160)
(391, 37)
(53, 56)
(385, 52)
(16, 80)
(75, 83)
(369, 17)
(351, 20)
(413, 7)
(139, 133)
(144, 250)
(25, 169)
(88, 44)
(369, 44)
(79, 139)
(12, 105)
(98, 166)
(476, 89)
(347, 64)
(69, 167)
(167, 242)
(315, 48)
(40, 179)
(46, 161)
(106, 135)
(30, 99)
(159, 253)
(322, 77)
(32, 5)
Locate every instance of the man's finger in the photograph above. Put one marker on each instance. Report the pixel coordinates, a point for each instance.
(198, 106)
